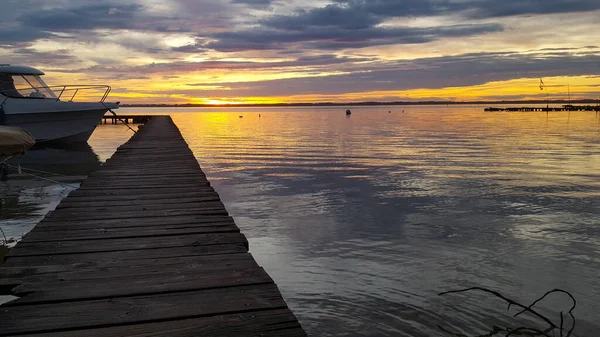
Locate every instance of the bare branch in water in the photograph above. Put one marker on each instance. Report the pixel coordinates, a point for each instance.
(524, 330)
(570, 312)
(527, 331)
(511, 302)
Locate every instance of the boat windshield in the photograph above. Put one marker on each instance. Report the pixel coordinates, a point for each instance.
(24, 86)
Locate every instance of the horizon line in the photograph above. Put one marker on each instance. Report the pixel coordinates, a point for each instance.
(365, 103)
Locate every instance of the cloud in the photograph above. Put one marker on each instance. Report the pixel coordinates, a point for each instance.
(172, 68)
(467, 8)
(330, 16)
(496, 9)
(31, 56)
(96, 16)
(426, 73)
(253, 3)
(19, 36)
(337, 39)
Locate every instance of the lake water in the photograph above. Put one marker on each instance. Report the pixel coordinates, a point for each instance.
(362, 220)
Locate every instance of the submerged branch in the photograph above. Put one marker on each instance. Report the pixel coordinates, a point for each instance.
(529, 309)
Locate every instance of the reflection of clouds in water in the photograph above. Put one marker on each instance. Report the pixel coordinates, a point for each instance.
(26, 202)
(382, 211)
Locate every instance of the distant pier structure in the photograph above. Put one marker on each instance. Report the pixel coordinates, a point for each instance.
(567, 107)
(127, 119)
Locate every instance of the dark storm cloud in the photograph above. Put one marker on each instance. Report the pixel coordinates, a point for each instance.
(333, 39)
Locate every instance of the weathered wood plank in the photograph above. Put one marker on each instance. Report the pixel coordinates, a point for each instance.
(110, 245)
(132, 172)
(117, 223)
(180, 182)
(122, 286)
(72, 215)
(143, 191)
(89, 196)
(122, 233)
(201, 205)
(149, 187)
(137, 309)
(91, 202)
(263, 323)
(200, 264)
(139, 254)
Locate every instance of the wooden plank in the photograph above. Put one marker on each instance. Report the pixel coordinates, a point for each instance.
(61, 291)
(15, 275)
(139, 254)
(140, 207)
(89, 196)
(264, 323)
(122, 233)
(137, 309)
(184, 181)
(208, 220)
(117, 227)
(92, 202)
(130, 171)
(143, 191)
(149, 187)
(148, 179)
(12, 285)
(65, 215)
(110, 245)
(114, 174)
(146, 160)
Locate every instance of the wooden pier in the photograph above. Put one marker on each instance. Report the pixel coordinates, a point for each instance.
(144, 247)
(567, 107)
(127, 119)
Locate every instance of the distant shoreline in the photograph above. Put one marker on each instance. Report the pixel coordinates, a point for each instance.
(321, 104)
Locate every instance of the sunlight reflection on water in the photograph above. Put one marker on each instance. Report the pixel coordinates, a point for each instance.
(362, 220)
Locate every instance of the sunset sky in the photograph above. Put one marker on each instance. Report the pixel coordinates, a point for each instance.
(268, 51)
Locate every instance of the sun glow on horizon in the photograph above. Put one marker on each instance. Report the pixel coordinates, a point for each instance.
(556, 88)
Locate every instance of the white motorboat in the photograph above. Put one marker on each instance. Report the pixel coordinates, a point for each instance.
(50, 114)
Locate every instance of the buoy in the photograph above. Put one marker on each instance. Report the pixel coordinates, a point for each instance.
(348, 112)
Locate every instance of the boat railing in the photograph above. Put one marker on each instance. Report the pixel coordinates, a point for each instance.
(68, 92)
(77, 88)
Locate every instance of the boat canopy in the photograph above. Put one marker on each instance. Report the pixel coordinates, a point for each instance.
(23, 82)
(19, 70)
(14, 140)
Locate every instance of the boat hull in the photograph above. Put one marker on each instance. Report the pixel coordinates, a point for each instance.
(62, 126)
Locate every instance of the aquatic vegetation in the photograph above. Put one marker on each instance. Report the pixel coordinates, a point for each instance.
(552, 326)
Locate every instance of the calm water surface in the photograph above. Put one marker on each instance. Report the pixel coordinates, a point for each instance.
(362, 220)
